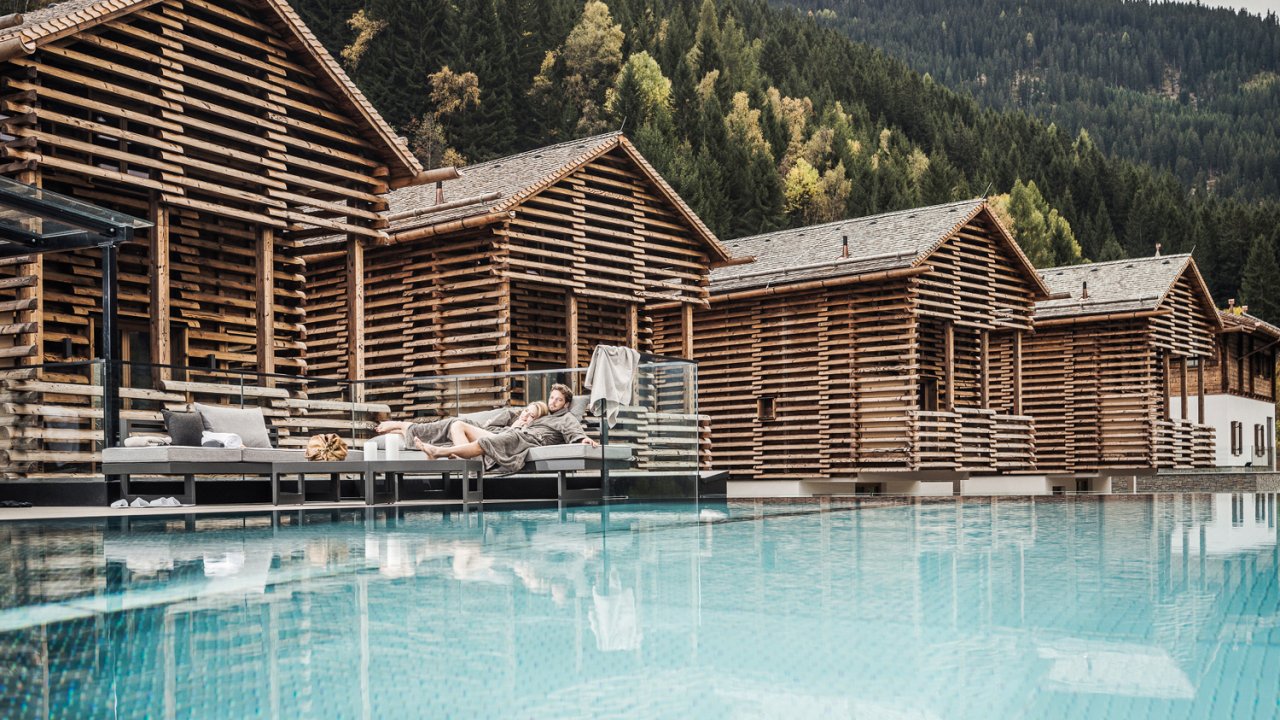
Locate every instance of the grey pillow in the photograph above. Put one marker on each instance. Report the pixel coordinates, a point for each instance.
(483, 418)
(580, 405)
(248, 423)
(184, 428)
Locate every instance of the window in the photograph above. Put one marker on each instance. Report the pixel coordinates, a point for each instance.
(765, 409)
(1237, 437)
(929, 393)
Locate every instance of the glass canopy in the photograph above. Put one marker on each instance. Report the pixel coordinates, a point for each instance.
(35, 220)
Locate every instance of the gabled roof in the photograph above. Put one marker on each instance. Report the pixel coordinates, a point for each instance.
(888, 241)
(1244, 322)
(1135, 285)
(67, 18)
(516, 178)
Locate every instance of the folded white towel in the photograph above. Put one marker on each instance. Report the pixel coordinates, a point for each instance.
(228, 440)
(139, 503)
(136, 441)
(121, 503)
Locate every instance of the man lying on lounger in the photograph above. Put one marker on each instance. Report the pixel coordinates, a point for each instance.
(504, 447)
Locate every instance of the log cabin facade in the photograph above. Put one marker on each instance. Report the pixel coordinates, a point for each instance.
(883, 349)
(527, 263)
(1108, 367)
(228, 126)
(1239, 394)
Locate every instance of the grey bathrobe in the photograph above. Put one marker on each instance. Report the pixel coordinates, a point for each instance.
(506, 451)
(436, 432)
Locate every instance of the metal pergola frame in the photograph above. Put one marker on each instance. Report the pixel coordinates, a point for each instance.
(75, 225)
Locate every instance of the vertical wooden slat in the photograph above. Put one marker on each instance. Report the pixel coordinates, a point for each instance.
(571, 328)
(1182, 369)
(686, 330)
(355, 310)
(1200, 389)
(1017, 373)
(949, 365)
(1166, 385)
(35, 269)
(1224, 368)
(984, 347)
(1248, 366)
(265, 290)
(161, 311)
(633, 326)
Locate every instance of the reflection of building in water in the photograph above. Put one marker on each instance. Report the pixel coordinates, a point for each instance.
(1056, 600)
(279, 607)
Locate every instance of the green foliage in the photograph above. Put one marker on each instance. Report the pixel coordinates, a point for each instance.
(1045, 236)
(754, 91)
(1258, 289)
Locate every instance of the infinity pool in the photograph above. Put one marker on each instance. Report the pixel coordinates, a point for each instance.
(1125, 607)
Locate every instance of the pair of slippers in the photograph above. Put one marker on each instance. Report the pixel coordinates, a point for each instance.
(140, 503)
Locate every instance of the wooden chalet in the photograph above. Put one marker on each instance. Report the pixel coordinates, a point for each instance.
(526, 263)
(1110, 365)
(884, 349)
(228, 126)
(1239, 394)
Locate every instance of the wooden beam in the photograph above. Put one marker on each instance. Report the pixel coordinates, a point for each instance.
(686, 330)
(571, 328)
(949, 364)
(161, 310)
(1017, 372)
(34, 291)
(633, 326)
(1200, 390)
(355, 311)
(1166, 385)
(984, 371)
(265, 296)
(1224, 369)
(1186, 409)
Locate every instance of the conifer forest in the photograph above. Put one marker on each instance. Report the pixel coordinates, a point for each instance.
(1101, 128)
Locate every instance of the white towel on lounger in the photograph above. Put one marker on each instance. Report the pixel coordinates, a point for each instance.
(228, 440)
(137, 441)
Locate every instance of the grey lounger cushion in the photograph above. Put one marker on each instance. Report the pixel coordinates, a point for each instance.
(578, 451)
(171, 453)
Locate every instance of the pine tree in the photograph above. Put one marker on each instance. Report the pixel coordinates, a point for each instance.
(1258, 287)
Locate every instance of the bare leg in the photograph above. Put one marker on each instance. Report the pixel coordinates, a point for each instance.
(467, 451)
(461, 433)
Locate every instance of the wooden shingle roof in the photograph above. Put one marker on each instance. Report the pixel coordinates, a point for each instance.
(1245, 322)
(1133, 285)
(516, 178)
(71, 16)
(888, 241)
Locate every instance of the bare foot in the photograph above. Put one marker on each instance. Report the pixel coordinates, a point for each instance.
(389, 426)
(431, 451)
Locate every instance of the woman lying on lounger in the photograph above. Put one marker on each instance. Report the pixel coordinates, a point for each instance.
(462, 432)
(506, 450)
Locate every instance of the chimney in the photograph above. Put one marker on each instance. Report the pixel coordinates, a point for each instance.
(1157, 249)
(439, 192)
(844, 246)
(1084, 291)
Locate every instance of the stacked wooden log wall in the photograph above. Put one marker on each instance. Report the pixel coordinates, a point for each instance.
(1243, 364)
(844, 366)
(199, 117)
(575, 265)
(1099, 391)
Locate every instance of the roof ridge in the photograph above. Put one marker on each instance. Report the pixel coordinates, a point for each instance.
(590, 140)
(856, 219)
(1116, 262)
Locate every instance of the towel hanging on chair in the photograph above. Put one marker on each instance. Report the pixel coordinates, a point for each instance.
(611, 378)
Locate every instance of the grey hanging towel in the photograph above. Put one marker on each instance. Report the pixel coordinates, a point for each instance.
(611, 378)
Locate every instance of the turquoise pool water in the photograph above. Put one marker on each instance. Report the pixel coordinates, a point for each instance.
(1053, 608)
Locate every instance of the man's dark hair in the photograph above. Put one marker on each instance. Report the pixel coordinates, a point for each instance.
(565, 391)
